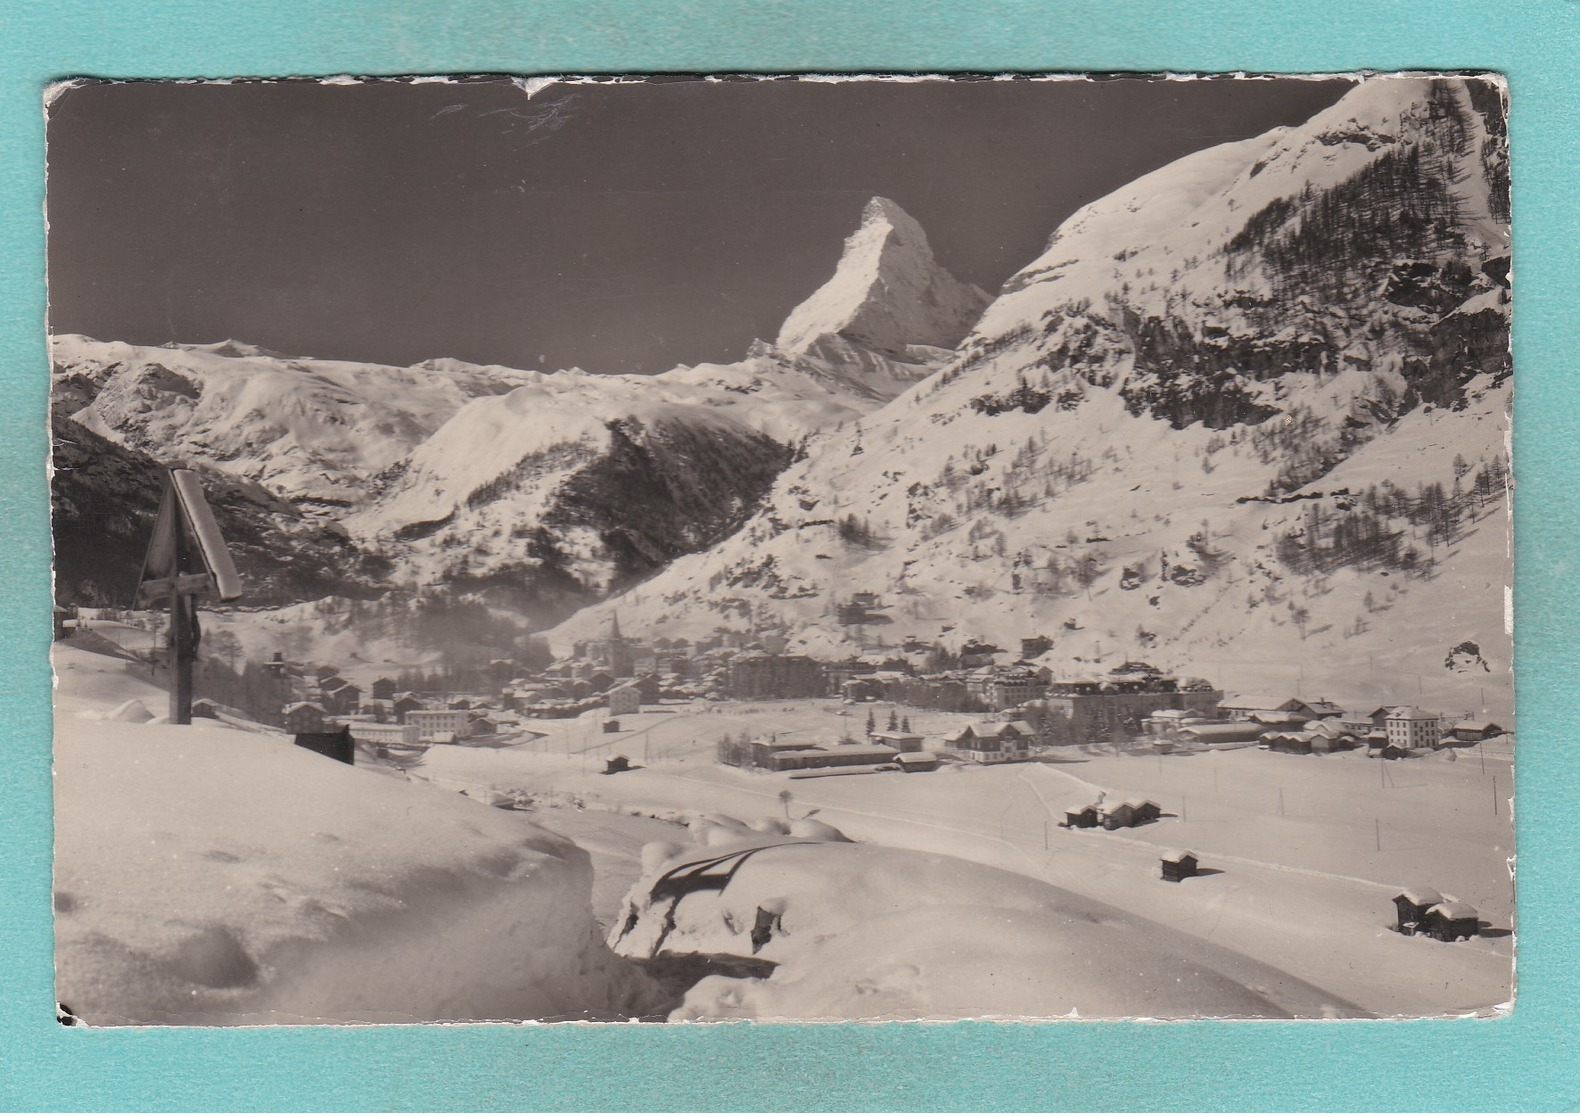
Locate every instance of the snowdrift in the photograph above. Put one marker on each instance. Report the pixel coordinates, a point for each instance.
(864, 932)
(207, 875)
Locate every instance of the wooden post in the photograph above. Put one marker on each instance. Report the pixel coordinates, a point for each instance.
(186, 557)
(183, 653)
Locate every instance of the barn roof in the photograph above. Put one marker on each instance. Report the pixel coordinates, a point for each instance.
(1421, 897)
(1323, 708)
(1177, 855)
(1455, 909)
(1257, 702)
(1224, 732)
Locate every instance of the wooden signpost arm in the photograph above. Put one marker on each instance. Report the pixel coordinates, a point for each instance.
(186, 558)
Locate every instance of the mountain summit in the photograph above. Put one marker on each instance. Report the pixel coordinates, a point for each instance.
(887, 294)
(1244, 418)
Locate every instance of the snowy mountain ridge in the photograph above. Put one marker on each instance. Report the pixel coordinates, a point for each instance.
(564, 484)
(1256, 400)
(313, 431)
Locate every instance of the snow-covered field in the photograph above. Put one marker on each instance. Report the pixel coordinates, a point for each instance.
(1302, 886)
(205, 874)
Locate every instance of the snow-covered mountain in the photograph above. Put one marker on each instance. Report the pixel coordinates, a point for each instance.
(106, 496)
(887, 303)
(557, 486)
(312, 431)
(1246, 414)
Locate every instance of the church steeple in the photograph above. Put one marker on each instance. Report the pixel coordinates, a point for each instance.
(617, 650)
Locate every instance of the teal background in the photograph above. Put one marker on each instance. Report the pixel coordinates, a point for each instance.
(1524, 1061)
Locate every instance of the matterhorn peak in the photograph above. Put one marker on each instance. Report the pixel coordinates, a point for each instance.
(887, 293)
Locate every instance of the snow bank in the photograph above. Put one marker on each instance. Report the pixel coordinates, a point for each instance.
(864, 932)
(208, 875)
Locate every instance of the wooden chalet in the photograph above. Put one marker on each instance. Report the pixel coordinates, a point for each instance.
(1412, 905)
(343, 699)
(1080, 817)
(1119, 815)
(404, 704)
(1451, 920)
(304, 717)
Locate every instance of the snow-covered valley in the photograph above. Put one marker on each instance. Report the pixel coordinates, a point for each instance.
(1225, 464)
(273, 885)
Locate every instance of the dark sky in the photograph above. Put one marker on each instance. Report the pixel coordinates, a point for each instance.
(618, 227)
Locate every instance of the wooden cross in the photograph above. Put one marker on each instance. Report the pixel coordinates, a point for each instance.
(187, 558)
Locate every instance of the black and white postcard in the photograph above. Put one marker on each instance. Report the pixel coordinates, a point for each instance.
(782, 549)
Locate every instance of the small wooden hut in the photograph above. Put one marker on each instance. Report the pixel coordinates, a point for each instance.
(1451, 920)
(1179, 864)
(1121, 814)
(1080, 818)
(1412, 905)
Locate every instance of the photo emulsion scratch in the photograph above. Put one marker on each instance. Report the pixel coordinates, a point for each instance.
(701, 549)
